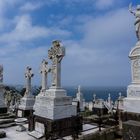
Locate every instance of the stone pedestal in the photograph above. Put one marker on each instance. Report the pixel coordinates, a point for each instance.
(131, 130)
(3, 108)
(54, 105)
(54, 113)
(25, 108)
(132, 102)
(56, 129)
(53, 110)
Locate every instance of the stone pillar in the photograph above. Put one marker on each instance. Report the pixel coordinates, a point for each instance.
(132, 102)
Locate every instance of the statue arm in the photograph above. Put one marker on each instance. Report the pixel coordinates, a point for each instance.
(130, 9)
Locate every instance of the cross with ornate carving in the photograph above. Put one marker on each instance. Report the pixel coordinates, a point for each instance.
(28, 76)
(44, 71)
(56, 54)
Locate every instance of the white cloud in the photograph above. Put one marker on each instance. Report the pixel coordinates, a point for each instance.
(100, 57)
(25, 31)
(31, 6)
(109, 28)
(96, 58)
(104, 4)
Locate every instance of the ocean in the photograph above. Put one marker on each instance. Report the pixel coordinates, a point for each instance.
(101, 92)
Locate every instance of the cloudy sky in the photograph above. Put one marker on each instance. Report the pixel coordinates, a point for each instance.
(97, 34)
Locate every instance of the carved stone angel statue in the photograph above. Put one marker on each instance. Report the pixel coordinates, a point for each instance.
(136, 13)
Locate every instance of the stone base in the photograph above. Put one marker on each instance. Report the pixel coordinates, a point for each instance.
(54, 105)
(125, 116)
(131, 130)
(132, 105)
(59, 128)
(133, 91)
(24, 113)
(132, 102)
(3, 110)
(27, 103)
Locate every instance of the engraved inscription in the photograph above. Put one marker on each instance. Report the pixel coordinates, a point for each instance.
(136, 70)
(19, 113)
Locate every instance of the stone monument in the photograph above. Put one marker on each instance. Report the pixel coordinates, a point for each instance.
(54, 107)
(27, 102)
(132, 102)
(3, 108)
(44, 72)
(55, 104)
(79, 99)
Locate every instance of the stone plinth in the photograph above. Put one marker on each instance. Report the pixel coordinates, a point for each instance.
(131, 130)
(27, 103)
(25, 109)
(54, 105)
(132, 102)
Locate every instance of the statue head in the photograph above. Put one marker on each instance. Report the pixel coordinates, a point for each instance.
(28, 68)
(44, 62)
(138, 7)
(56, 43)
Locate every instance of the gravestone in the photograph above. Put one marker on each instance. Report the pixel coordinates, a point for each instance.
(25, 107)
(3, 107)
(44, 75)
(53, 110)
(55, 104)
(79, 100)
(132, 102)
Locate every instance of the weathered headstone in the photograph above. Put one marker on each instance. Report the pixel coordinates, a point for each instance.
(27, 102)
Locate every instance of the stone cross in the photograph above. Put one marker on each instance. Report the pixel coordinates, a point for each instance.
(56, 54)
(120, 95)
(79, 89)
(28, 76)
(94, 97)
(1, 74)
(44, 71)
(109, 98)
(136, 13)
